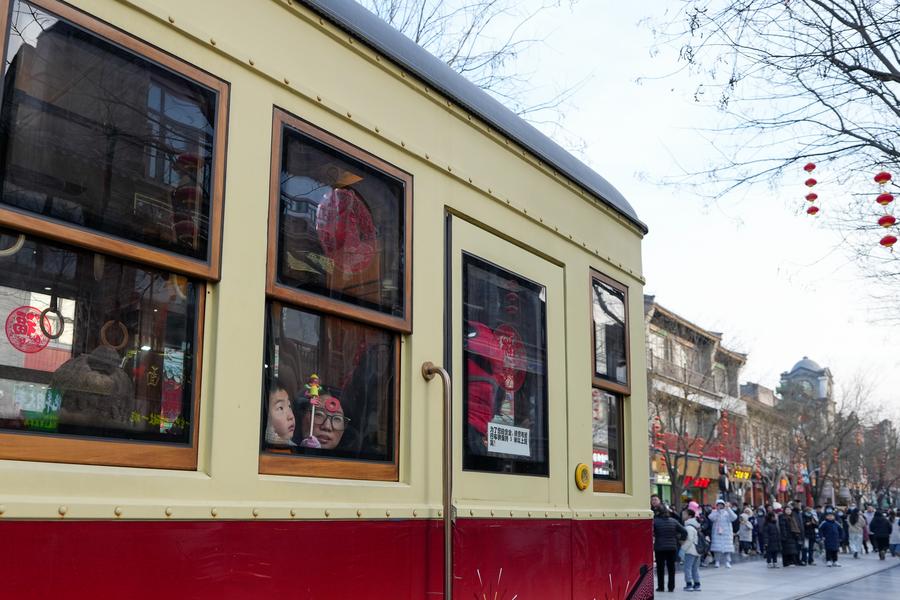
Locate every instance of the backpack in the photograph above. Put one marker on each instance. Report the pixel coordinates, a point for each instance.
(702, 543)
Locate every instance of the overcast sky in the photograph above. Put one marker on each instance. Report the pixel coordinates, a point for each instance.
(754, 266)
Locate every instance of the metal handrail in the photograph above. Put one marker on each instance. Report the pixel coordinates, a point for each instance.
(429, 370)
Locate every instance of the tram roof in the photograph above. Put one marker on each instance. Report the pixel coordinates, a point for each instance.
(375, 32)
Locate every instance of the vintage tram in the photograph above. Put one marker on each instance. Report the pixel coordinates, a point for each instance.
(292, 309)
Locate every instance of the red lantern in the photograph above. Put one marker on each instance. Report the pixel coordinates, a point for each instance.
(812, 210)
(884, 199)
(810, 182)
(888, 241)
(812, 197)
(809, 167)
(887, 220)
(882, 178)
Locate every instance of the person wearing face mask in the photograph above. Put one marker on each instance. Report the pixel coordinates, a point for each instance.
(791, 538)
(722, 535)
(831, 533)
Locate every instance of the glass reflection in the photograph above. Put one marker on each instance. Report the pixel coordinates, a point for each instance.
(330, 388)
(340, 227)
(93, 346)
(96, 136)
(609, 333)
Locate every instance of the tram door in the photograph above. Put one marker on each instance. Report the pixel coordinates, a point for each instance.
(508, 365)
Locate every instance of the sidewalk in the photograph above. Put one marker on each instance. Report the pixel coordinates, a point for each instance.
(752, 579)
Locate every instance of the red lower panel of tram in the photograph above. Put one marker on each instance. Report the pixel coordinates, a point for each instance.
(325, 560)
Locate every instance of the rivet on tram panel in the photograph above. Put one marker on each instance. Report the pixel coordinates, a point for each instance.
(118, 511)
(426, 156)
(490, 191)
(402, 143)
(576, 514)
(350, 40)
(440, 514)
(470, 180)
(402, 74)
(387, 513)
(449, 169)
(214, 512)
(172, 20)
(319, 98)
(377, 58)
(471, 513)
(529, 513)
(293, 513)
(546, 514)
(415, 513)
(168, 511)
(525, 210)
(255, 512)
(492, 512)
(358, 513)
(510, 513)
(251, 62)
(349, 116)
(377, 130)
(287, 81)
(327, 513)
(212, 41)
(63, 510)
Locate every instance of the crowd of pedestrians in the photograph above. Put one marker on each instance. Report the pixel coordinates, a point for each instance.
(798, 535)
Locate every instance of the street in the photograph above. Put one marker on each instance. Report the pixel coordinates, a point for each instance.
(857, 579)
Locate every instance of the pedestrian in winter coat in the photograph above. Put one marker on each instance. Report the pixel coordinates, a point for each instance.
(666, 535)
(771, 536)
(880, 530)
(810, 528)
(894, 540)
(791, 538)
(691, 555)
(760, 523)
(831, 532)
(745, 531)
(856, 525)
(842, 518)
(722, 544)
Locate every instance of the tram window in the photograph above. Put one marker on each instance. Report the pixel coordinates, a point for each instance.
(609, 313)
(94, 348)
(95, 135)
(330, 393)
(607, 441)
(340, 220)
(505, 377)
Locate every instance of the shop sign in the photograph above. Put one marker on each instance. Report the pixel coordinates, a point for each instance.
(698, 482)
(741, 474)
(663, 479)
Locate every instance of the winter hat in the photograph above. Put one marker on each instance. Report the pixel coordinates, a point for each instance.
(720, 501)
(694, 506)
(776, 506)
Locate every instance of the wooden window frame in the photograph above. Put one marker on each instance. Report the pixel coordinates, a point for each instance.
(275, 463)
(606, 384)
(68, 233)
(110, 452)
(118, 453)
(620, 391)
(312, 300)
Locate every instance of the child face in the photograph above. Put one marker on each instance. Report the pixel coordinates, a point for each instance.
(281, 417)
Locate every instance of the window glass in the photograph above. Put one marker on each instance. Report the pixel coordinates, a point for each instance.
(606, 438)
(94, 346)
(330, 387)
(505, 386)
(609, 333)
(98, 137)
(341, 227)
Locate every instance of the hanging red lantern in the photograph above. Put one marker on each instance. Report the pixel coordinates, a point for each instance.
(882, 178)
(887, 220)
(810, 182)
(884, 199)
(812, 197)
(812, 210)
(809, 167)
(888, 241)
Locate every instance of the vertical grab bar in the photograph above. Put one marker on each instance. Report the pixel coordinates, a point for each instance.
(429, 370)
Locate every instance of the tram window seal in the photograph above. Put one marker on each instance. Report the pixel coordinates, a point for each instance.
(80, 450)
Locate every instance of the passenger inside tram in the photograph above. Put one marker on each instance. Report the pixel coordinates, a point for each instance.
(280, 422)
(325, 422)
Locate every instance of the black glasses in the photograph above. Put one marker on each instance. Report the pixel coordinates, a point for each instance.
(338, 421)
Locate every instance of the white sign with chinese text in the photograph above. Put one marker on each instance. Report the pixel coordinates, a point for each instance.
(506, 439)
